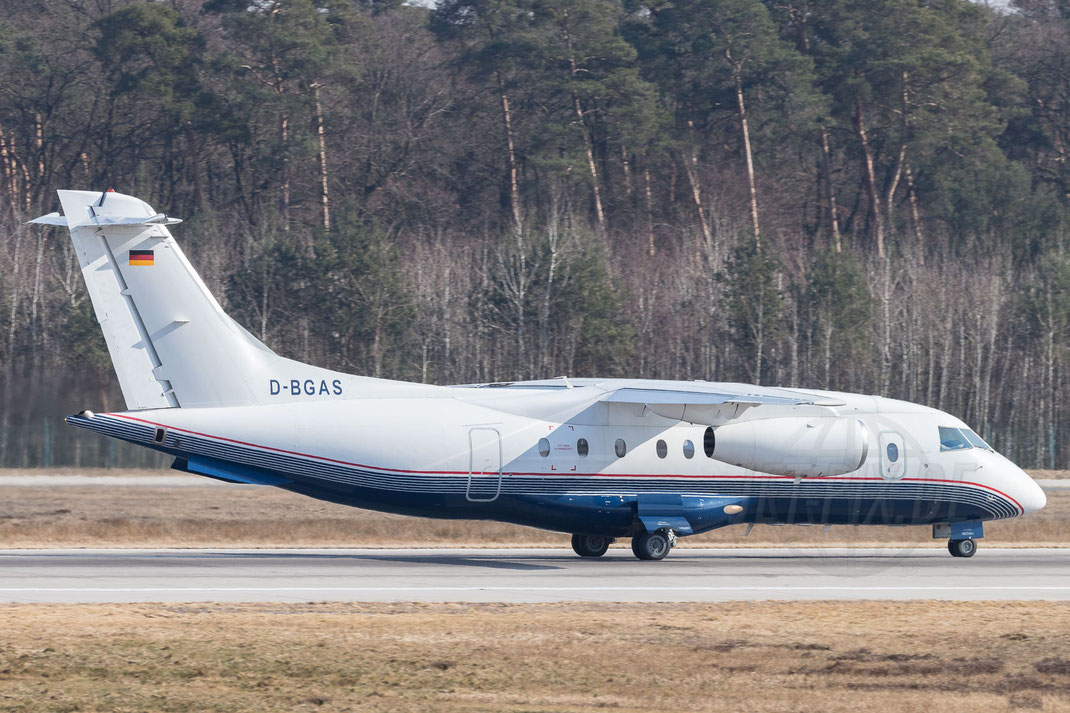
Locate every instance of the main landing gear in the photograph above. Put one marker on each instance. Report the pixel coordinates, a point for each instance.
(653, 545)
(645, 545)
(962, 548)
(590, 545)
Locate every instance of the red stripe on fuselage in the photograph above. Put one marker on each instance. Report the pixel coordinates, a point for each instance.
(842, 478)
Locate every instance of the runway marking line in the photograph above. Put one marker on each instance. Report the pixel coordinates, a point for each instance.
(784, 588)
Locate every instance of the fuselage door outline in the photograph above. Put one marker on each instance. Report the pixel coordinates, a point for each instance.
(484, 464)
(893, 455)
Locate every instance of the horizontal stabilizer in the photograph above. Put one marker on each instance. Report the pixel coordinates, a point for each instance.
(50, 219)
(57, 219)
(158, 219)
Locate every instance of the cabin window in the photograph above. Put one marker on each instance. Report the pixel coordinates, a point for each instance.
(662, 449)
(544, 447)
(708, 442)
(582, 448)
(689, 449)
(893, 453)
(951, 439)
(620, 447)
(160, 436)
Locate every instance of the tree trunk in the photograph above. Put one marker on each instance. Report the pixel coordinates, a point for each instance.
(870, 179)
(828, 352)
(886, 326)
(10, 175)
(893, 185)
(915, 217)
(649, 211)
(20, 165)
(793, 377)
(35, 295)
(553, 236)
(691, 169)
(582, 124)
(39, 146)
(591, 167)
(514, 183)
(759, 340)
(324, 200)
(737, 73)
(834, 216)
(195, 164)
(284, 136)
(1049, 359)
(9, 362)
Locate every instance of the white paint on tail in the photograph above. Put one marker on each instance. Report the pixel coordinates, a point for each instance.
(170, 341)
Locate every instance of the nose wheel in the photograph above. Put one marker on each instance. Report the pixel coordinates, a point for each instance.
(962, 548)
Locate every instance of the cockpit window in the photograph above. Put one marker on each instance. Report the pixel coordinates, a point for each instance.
(951, 439)
(958, 439)
(975, 440)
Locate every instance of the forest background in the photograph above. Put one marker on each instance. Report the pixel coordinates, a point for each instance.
(847, 194)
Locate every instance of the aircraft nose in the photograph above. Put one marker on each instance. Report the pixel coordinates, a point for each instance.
(1030, 495)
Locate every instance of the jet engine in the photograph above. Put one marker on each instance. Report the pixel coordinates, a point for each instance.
(793, 446)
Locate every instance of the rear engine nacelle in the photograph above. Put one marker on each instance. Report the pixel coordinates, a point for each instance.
(794, 446)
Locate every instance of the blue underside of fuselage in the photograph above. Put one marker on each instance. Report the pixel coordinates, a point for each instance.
(594, 506)
(616, 515)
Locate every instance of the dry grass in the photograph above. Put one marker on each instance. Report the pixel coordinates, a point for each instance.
(249, 516)
(849, 656)
(1049, 474)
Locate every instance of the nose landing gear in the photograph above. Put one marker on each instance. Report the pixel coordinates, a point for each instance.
(961, 537)
(961, 548)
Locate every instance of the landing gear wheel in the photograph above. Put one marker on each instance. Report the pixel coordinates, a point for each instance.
(590, 545)
(962, 548)
(652, 545)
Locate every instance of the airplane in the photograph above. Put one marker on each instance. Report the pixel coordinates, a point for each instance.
(599, 459)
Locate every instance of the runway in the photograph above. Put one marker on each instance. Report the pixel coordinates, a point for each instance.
(528, 575)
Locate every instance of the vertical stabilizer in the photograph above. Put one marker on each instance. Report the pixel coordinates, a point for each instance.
(170, 341)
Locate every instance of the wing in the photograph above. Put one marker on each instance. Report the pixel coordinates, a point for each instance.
(713, 408)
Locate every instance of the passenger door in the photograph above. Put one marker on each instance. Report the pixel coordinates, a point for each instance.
(484, 465)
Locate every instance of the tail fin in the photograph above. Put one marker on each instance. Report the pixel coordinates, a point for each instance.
(170, 341)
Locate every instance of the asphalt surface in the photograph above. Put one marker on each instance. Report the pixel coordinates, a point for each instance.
(528, 575)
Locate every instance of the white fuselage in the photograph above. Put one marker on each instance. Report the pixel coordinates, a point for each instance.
(475, 446)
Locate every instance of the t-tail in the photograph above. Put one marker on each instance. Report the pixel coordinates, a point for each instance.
(170, 341)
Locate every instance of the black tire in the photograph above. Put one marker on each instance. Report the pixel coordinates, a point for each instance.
(962, 548)
(590, 545)
(651, 545)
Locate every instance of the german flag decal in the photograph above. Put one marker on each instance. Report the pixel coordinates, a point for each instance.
(141, 257)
